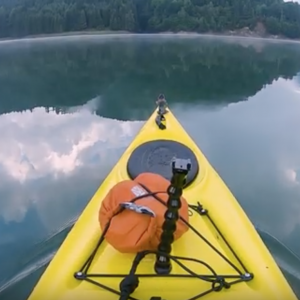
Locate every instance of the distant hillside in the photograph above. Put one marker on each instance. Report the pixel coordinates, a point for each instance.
(260, 17)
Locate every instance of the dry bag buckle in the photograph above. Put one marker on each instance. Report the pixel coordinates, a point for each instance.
(138, 208)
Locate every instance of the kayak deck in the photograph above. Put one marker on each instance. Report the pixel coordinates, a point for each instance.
(234, 246)
(225, 260)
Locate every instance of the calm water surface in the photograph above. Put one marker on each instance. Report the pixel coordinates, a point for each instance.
(70, 106)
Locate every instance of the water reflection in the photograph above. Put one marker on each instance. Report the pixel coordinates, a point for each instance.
(50, 165)
(128, 72)
(51, 161)
(255, 147)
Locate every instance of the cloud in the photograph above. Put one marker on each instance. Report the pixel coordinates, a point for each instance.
(42, 153)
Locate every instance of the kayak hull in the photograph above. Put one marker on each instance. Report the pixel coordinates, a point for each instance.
(233, 228)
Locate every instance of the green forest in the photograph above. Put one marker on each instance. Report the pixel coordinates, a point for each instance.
(20, 18)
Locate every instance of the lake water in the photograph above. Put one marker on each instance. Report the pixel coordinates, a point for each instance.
(70, 106)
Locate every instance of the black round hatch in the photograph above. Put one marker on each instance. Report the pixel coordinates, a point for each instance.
(156, 156)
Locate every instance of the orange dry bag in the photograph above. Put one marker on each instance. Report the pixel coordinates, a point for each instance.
(136, 226)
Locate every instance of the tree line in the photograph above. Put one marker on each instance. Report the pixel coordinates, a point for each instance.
(32, 17)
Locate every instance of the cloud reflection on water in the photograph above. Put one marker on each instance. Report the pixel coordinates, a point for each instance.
(50, 166)
(255, 147)
(42, 153)
(45, 158)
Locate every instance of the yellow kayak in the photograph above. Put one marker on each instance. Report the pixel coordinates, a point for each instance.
(221, 256)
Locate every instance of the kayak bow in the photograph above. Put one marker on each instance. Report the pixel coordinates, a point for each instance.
(221, 256)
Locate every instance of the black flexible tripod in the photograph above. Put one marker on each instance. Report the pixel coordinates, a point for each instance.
(180, 169)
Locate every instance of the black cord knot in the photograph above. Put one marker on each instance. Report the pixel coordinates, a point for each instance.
(219, 284)
(128, 286)
(201, 210)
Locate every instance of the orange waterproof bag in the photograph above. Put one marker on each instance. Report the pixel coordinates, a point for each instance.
(136, 226)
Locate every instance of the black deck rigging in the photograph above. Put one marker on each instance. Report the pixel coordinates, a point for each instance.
(129, 282)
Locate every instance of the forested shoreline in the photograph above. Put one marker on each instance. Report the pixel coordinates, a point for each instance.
(19, 18)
